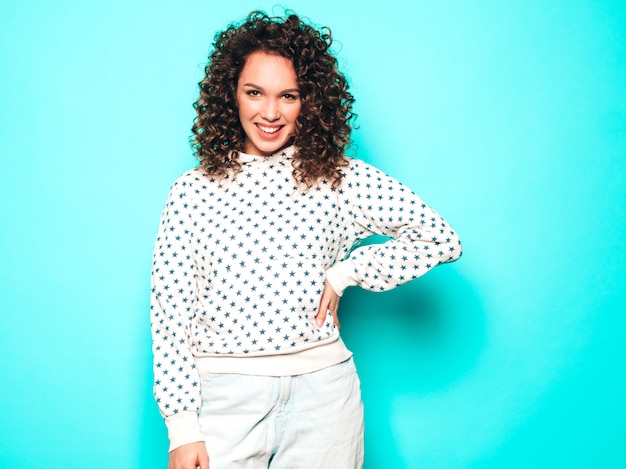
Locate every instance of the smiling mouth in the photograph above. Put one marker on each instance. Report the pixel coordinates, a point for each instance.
(269, 130)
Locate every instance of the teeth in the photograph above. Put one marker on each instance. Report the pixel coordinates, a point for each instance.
(268, 130)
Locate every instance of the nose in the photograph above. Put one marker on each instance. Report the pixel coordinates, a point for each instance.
(270, 111)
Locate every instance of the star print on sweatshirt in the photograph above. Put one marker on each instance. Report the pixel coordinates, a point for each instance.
(239, 264)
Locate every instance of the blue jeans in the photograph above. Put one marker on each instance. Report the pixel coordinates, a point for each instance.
(314, 420)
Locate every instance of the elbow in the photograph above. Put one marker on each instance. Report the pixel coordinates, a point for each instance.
(456, 248)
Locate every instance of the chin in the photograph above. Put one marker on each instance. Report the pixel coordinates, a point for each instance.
(266, 149)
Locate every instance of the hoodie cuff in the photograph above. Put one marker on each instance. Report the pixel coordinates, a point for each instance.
(341, 276)
(183, 428)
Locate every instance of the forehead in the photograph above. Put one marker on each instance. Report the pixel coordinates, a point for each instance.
(263, 68)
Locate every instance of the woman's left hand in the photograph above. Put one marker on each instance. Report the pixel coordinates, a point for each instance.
(328, 302)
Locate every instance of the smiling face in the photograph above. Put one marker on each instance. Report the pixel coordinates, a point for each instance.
(268, 100)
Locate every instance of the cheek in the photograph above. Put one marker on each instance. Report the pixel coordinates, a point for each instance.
(242, 109)
(246, 108)
(295, 112)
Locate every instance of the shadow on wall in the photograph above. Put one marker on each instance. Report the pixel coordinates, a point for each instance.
(417, 339)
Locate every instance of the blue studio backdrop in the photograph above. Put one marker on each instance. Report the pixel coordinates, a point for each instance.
(509, 118)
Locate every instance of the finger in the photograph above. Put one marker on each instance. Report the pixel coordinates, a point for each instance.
(333, 308)
(204, 462)
(322, 311)
(329, 303)
(327, 308)
(320, 317)
(336, 320)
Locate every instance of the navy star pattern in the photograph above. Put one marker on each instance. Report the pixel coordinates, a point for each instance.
(239, 263)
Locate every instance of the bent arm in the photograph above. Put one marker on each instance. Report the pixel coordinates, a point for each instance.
(420, 239)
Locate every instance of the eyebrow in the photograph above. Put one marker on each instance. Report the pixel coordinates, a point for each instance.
(289, 90)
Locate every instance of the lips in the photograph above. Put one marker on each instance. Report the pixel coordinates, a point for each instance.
(268, 130)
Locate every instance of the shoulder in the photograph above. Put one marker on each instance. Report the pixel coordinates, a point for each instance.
(188, 186)
(190, 178)
(193, 181)
(360, 171)
(362, 176)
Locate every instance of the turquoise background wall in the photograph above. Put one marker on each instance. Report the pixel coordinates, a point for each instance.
(508, 117)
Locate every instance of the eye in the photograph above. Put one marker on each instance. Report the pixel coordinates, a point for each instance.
(253, 93)
(290, 97)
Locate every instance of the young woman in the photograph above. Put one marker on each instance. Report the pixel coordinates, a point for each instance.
(255, 248)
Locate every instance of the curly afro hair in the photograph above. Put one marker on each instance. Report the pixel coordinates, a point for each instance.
(323, 126)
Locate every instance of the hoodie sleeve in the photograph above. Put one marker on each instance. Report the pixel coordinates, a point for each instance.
(419, 238)
(174, 273)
